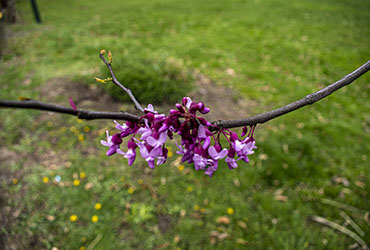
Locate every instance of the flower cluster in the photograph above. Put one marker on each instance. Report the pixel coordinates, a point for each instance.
(200, 144)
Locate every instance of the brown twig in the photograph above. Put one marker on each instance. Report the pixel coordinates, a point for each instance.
(115, 81)
(307, 100)
(80, 113)
(261, 118)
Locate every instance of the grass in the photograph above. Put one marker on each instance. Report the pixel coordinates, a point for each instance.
(279, 50)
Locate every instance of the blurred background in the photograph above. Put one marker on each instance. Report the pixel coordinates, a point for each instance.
(60, 191)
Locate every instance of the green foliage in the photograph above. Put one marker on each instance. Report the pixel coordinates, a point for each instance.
(152, 81)
(141, 213)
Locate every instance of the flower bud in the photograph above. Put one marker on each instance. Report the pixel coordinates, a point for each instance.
(233, 136)
(231, 152)
(204, 111)
(149, 116)
(218, 147)
(204, 121)
(131, 144)
(245, 130)
(110, 57)
(100, 80)
(116, 139)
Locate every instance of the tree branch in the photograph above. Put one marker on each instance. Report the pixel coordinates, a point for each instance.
(308, 99)
(261, 118)
(115, 81)
(80, 113)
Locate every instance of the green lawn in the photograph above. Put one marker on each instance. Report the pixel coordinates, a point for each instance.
(278, 52)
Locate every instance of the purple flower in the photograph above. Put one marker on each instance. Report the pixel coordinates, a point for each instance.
(150, 109)
(130, 155)
(199, 162)
(231, 162)
(217, 155)
(131, 152)
(149, 156)
(155, 143)
(186, 101)
(244, 148)
(113, 142)
(213, 165)
(195, 133)
(202, 132)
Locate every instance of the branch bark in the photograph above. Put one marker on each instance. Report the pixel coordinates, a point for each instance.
(307, 100)
(80, 113)
(115, 81)
(261, 118)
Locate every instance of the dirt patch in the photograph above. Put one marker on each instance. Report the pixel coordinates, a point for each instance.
(224, 102)
(85, 96)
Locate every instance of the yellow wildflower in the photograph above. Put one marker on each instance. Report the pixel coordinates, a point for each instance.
(230, 210)
(140, 181)
(82, 248)
(45, 179)
(98, 206)
(189, 189)
(73, 129)
(81, 137)
(181, 167)
(82, 175)
(196, 207)
(94, 218)
(76, 182)
(73, 218)
(131, 190)
(86, 129)
(80, 120)
(15, 181)
(169, 154)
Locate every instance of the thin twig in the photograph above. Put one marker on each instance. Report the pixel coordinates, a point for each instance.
(353, 224)
(340, 228)
(261, 118)
(80, 113)
(308, 99)
(115, 81)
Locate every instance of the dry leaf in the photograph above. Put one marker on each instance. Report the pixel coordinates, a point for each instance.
(223, 219)
(164, 245)
(241, 242)
(176, 239)
(242, 224)
(50, 218)
(360, 184)
(88, 186)
(230, 72)
(218, 235)
(280, 197)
